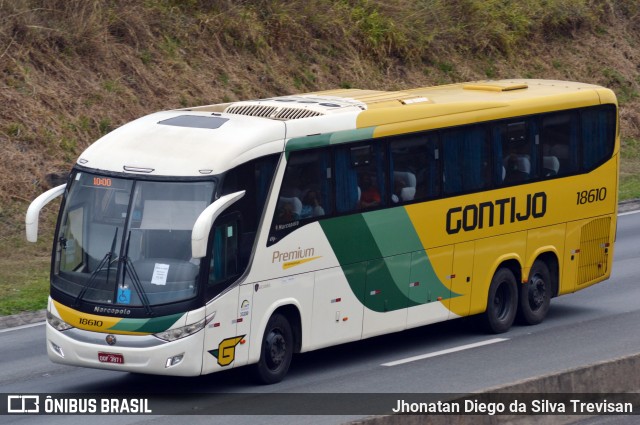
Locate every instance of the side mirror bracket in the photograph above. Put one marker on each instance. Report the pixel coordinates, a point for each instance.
(33, 212)
(204, 223)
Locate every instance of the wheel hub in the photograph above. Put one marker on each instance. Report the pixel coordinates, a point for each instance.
(537, 290)
(276, 349)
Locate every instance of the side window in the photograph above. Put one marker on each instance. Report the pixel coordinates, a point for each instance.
(466, 160)
(233, 236)
(224, 260)
(255, 178)
(598, 135)
(559, 138)
(306, 192)
(414, 168)
(360, 177)
(515, 152)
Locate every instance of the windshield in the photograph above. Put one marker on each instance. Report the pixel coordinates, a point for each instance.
(128, 242)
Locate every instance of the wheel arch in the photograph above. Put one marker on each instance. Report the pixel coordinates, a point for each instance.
(292, 314)
(290, 309)
(480, 294)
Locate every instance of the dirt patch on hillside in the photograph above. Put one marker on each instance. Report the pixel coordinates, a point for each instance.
(72, 70)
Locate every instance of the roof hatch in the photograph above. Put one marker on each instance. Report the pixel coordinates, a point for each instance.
(495, 86)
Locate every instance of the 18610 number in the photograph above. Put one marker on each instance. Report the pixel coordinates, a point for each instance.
(591, 196)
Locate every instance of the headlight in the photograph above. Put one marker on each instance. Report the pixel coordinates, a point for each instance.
(57, 323)
(174, 334)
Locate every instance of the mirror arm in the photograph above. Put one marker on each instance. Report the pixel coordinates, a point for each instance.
(204, 223)
(33, 213)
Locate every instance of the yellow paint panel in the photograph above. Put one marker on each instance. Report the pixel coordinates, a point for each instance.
(89, 322)
(489, 254)
(421, 111)
(491, 86)
(544, 239)
(462, 282)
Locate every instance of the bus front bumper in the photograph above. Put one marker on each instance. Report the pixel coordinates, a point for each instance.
(127, 353)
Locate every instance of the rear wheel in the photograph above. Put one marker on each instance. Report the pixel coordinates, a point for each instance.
(276, 351)
(535, 296)
(502, 302)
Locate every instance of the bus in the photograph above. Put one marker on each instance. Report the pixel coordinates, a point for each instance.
(198, 240)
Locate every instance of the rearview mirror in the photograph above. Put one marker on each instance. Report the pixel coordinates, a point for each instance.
(33, 213)
(202, 226)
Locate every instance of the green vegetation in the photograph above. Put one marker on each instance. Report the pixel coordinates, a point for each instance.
(630, 168)
(72, 70)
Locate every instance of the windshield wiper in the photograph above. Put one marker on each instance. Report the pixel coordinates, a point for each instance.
(130, 270)
(107, 260)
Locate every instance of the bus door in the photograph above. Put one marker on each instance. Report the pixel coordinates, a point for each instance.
(221, 334)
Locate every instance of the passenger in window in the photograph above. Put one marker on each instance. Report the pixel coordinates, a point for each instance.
(370, 196)
(311, 205)
(516, 164)
(288, 210)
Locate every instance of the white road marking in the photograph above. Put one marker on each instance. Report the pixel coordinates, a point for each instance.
(21, 327)
(629, 213)
(447, 351)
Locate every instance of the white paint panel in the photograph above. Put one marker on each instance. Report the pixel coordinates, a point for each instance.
(337, 312)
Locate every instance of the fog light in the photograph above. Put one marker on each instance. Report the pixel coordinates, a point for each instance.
(172, 361)
(57, 349)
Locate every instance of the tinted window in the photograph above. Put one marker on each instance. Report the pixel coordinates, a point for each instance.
(414, 168)
(598, 135)
(559, 137)
(466, 160)
(360, 177)
(306, 192)
(515, 153)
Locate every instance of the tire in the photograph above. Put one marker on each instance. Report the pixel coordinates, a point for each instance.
(276, 351)
(502, 302)
(535, 295)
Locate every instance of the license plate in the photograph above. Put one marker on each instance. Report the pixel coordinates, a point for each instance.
(111, 358)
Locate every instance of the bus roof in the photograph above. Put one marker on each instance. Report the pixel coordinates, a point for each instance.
(211, 139)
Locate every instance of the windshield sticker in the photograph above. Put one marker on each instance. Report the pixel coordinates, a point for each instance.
(124, 295)
(70, 249)
(160, 273)
(244, 308)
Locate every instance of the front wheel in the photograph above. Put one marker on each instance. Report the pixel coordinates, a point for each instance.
(502, 301)
(535, 296)
(276, 351)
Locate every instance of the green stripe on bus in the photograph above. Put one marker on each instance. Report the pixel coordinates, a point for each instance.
(381, 254)
(158, 324)
(392, 231)
(319, 140)
(351, 239)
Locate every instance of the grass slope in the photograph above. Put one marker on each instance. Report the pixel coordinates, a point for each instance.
(72, 70)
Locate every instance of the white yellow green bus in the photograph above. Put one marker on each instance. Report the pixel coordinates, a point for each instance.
(197, 240)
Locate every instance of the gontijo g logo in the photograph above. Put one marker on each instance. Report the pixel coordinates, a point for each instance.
(226, 351)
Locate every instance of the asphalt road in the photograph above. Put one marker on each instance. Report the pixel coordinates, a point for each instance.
(590, 326)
